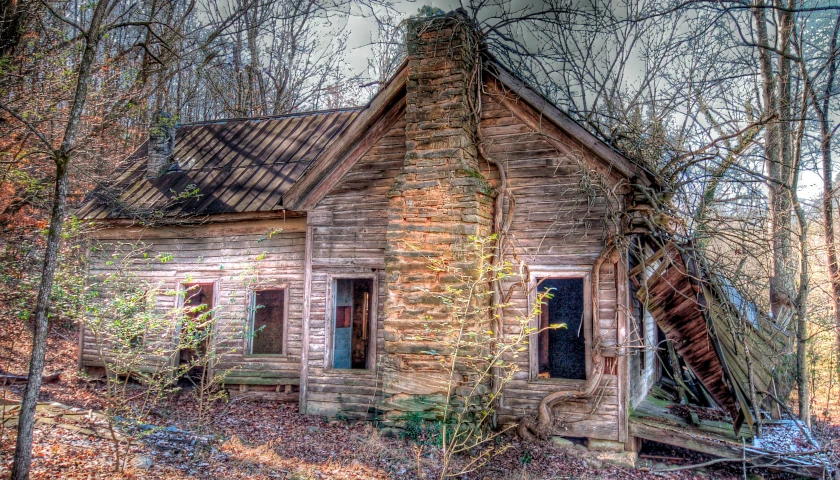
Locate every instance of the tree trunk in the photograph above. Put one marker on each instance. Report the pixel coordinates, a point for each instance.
(821, 108)
(826, 136)
(256, 86)
(784, 260)
(802, 315)
(777, 153)
(26, 423)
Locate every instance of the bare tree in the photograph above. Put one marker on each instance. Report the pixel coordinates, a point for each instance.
(62, 157)
(819, 83)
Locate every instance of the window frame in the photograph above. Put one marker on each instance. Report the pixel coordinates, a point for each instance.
(248, 351)
(179, 303)
(537, 275)
(329, 321)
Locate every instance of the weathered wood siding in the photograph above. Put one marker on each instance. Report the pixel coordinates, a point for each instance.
(557, 226)
(228, 255)
(348, 238)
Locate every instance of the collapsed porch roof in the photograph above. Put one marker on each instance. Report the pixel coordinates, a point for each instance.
(727, 344)
(719, 335)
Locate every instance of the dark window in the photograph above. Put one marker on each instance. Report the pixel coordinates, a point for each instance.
(269, 316)
(561, 352)
(351, 322)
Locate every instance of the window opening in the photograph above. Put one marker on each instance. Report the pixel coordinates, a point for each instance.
(352, 301)
(198, 307)
(561, 352)
(268, 322)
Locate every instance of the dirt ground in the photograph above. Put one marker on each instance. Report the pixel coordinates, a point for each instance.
(262, 440)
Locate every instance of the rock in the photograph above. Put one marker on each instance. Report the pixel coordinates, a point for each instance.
(605, 446)
(559, 441)
(142, 463)
(314, 429)
(621, 459)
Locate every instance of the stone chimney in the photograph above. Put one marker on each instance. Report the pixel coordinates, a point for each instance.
(161, 144)
(438, 200)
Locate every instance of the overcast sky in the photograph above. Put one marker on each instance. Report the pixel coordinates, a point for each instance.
(361, 28)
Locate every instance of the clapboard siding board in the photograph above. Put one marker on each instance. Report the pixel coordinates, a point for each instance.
(348, 228)
(555, 225)
(267, 261)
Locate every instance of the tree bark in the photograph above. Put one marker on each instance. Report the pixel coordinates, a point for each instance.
(784, 258)
(23, 448)
(802, 321)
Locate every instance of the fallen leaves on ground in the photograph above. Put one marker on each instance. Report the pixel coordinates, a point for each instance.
(266, 440)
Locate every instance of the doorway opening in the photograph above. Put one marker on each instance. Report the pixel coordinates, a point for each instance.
(197, 306)
(352, 320)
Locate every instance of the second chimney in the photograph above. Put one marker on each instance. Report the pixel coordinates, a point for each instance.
(161, 144)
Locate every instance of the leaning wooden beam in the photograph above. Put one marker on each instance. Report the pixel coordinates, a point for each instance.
(9, 379)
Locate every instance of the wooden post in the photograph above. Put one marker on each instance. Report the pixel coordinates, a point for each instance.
(307, 298)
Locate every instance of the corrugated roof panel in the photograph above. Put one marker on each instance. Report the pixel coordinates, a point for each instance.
(241, 165)
(266, 197)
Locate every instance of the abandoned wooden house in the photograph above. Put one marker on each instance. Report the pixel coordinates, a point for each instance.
(356, 201)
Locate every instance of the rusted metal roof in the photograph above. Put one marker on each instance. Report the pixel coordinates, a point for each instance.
(226, 166)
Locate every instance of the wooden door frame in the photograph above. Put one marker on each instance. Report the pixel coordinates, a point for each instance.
(329, 319)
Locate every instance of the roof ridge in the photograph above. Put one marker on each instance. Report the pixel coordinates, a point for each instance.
(273, 117)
